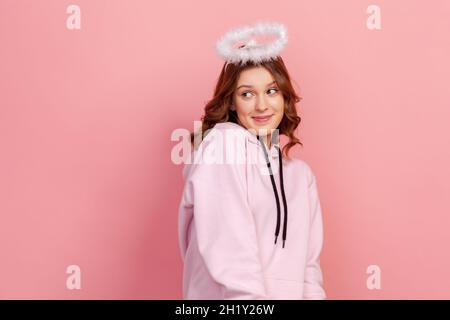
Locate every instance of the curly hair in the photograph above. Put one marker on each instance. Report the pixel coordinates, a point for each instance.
(218, 108)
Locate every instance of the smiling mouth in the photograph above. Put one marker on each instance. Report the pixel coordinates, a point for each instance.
(262, 118)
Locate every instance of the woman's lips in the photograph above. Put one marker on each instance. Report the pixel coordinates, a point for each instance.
(262, 119)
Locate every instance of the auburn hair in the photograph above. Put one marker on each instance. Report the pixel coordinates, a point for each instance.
(218, 108)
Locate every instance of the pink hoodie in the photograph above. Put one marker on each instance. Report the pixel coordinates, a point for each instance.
(227, 218)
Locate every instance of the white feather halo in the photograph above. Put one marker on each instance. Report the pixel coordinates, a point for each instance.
(251, 50)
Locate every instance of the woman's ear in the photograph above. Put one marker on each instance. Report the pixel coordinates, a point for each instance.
(232, 108)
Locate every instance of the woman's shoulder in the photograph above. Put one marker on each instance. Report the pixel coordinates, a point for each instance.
(224, 144)
(228, 125)
(302, 168)
(229, 130)
(224, 137)
(299, 163)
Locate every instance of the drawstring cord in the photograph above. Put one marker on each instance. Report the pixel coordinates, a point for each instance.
(275, 190)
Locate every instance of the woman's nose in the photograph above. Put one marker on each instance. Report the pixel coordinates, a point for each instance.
(261, 105)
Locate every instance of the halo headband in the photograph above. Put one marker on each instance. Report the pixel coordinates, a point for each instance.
(251, 50)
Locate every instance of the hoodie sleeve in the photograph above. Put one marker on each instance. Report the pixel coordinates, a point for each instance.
(313, 286)
(226, 231)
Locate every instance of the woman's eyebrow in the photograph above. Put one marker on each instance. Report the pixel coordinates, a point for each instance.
(249, 86)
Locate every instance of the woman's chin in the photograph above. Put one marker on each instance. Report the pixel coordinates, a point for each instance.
(263, 125)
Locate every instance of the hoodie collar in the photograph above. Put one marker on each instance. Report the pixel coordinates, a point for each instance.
(273, 152)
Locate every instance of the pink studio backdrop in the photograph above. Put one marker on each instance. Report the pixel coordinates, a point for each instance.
(86, 117)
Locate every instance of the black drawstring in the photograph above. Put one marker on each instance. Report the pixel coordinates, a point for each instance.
(277, 231)
(283, 196)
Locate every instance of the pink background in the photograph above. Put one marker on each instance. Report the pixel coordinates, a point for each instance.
(86, 117)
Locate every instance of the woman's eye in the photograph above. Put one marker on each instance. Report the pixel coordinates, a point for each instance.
(245, 93)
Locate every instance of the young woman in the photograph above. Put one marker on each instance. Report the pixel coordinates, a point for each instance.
(230, 220)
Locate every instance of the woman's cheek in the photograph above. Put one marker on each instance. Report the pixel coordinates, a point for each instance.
(246, 107)
(280, 104)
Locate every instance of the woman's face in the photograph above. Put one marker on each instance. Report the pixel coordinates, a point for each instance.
(258, 102)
